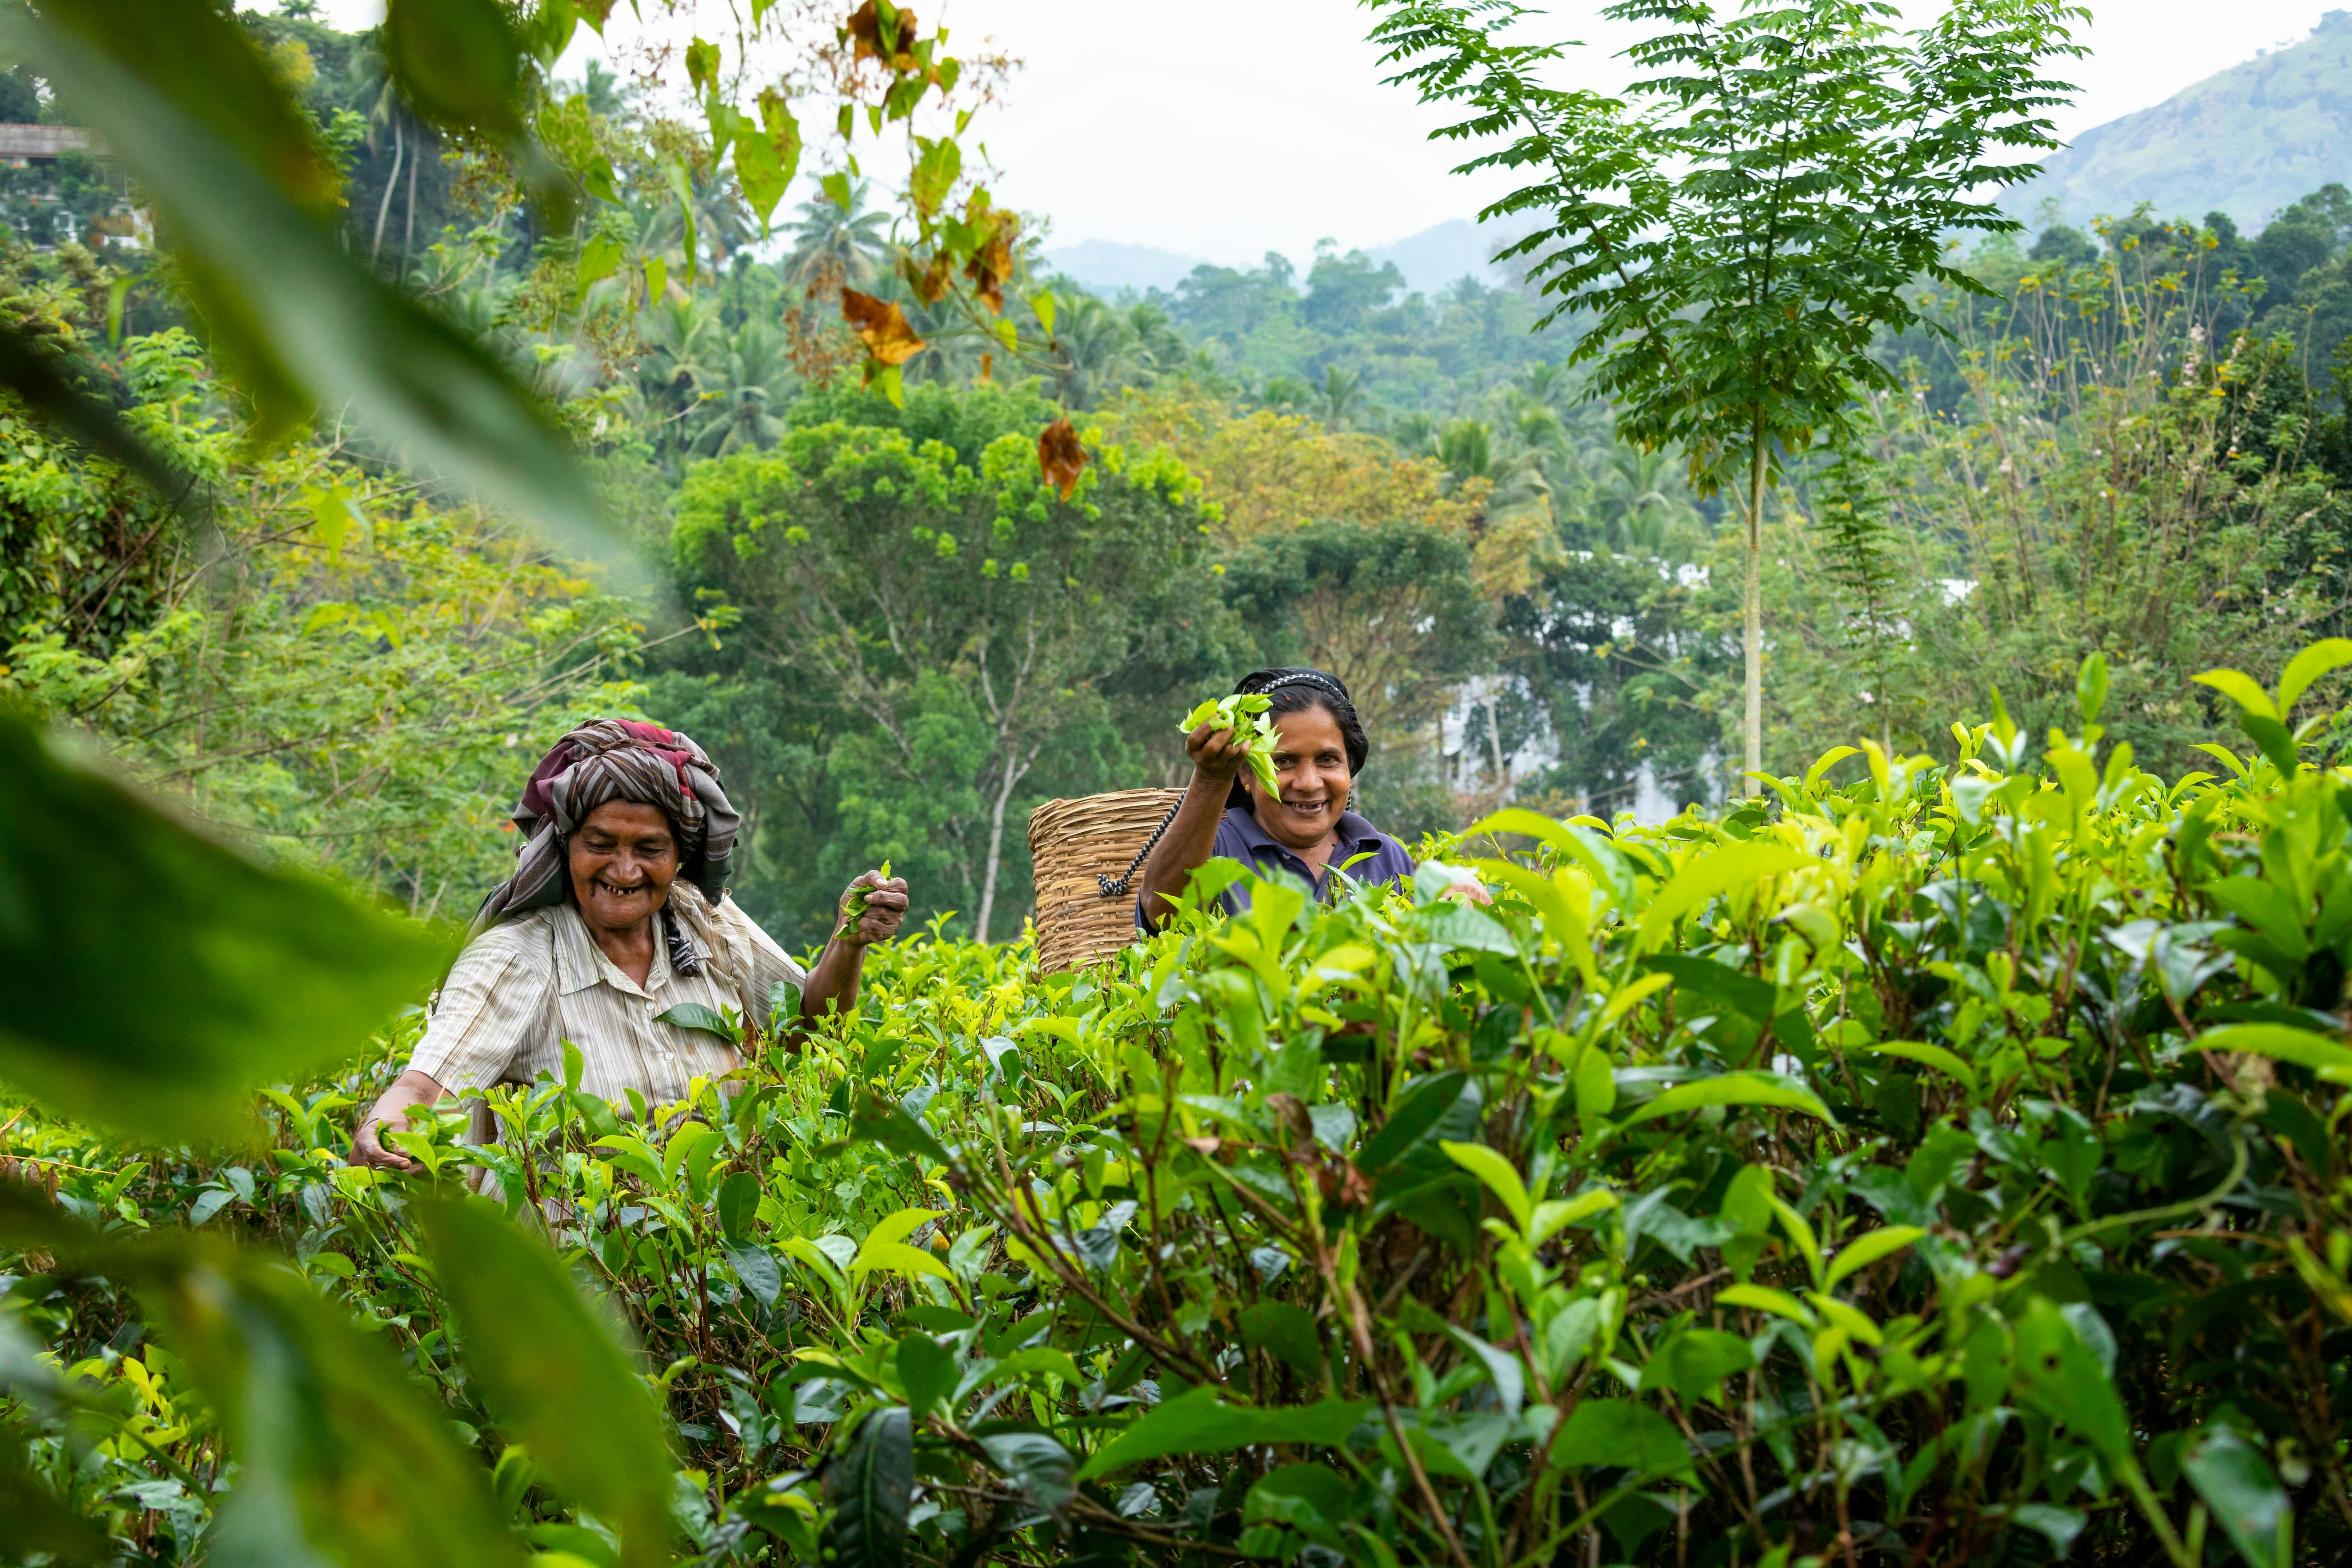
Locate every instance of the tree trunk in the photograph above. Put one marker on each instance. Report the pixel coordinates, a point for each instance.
(408, 232)
(383, 208)
(1495, 739)
(1752, 608)
(1012, 774)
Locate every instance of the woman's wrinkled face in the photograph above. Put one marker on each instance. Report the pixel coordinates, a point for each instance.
(1310, 767)
(622, 860)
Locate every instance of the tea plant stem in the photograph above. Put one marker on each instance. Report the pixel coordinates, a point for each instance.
(2169, 1211)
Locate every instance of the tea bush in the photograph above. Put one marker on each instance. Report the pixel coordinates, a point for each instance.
(1942, 1167)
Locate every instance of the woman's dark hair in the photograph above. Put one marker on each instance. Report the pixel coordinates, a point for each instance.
(1293, 689)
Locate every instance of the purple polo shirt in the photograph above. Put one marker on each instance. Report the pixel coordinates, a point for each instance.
(1239, 837)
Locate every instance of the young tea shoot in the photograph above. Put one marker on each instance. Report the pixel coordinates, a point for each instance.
(856, 906)
(1246, 717)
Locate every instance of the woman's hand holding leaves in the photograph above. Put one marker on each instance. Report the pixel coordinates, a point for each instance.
(1223, 735)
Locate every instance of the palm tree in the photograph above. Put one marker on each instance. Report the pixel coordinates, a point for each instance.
(737, 408)
(1094, 349)
(1340, 397)
(685, 356)
(1641, 503)
(833, 245)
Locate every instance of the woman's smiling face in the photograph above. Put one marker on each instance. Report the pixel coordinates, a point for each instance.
(1310, 767)
(622, 860)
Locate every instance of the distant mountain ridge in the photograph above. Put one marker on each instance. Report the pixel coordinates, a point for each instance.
(1431, 260)
(2245, 142)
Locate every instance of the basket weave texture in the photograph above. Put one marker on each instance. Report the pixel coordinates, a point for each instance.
(1073, 841)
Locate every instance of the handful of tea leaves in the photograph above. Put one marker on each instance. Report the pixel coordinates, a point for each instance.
(857, 897)
(1246, 717)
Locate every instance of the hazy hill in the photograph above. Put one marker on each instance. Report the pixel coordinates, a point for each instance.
(2246, 141)
(1430, 260)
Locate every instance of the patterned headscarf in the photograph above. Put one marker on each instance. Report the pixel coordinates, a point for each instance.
(609, 760)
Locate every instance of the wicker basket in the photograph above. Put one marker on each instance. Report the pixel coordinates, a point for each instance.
(1071, 843)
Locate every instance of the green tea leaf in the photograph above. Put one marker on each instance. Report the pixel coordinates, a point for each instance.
(708, 1020)
(458, 62)
(2239, 1485)
(869, 1481)
(1732, 1088)
(242, 974)
(1198, 1422)
(927, 1371)
(555, 1372)
(1620, 1434)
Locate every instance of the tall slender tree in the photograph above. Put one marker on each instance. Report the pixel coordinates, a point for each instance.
(1743, 223)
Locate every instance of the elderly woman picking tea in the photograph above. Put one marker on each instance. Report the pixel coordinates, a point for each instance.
(617, 913)
(1302, 822)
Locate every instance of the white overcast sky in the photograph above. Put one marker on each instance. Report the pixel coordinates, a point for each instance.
(1226, 127)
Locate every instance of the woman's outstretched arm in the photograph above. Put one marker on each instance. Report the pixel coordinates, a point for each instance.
(1217, 757)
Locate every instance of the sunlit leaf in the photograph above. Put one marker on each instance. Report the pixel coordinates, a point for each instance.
(881, 326)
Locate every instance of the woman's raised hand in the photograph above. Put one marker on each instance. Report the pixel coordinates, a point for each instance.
(871, 909)
(1219, 754)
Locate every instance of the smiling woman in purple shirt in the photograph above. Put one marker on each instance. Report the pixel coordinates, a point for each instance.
(1302, 825)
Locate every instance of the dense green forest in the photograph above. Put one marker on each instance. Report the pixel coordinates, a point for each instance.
(1314, 467)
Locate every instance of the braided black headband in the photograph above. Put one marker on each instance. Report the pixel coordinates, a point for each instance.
(1320, 682)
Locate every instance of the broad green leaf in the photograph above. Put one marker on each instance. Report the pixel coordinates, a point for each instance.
(241, 975)
(1695, 1363)
(1620, 1434)
(341, 1457)
(34, 1522)
(2091, 686)
(739, 1205)
(1798, 1231)
(298, 321)
(1631, 996)
(2239, 688)
(1827, 760)
(2239, 1485)
(1710, 873)
(1763, 1299)
(2330, 1058)
(896, 1257)
(458, 62)
(1198, 1422)
(1868, 1249)
(1036, 1464)
(1286, 1332)
(869, 1481)
(1555, 1215)
(1942, 1058)
(2327, 654)
(1495, 1170)
(927, 1371)
(707, 1020)
(1732, 1088)
(2057, 1375)
(555, 1372)
(599, 259)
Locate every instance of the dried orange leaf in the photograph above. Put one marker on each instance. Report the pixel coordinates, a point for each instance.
(881, 326)
(866, 28)
(1060, 456)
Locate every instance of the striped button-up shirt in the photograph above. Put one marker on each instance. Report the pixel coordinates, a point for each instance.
(526, 986)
